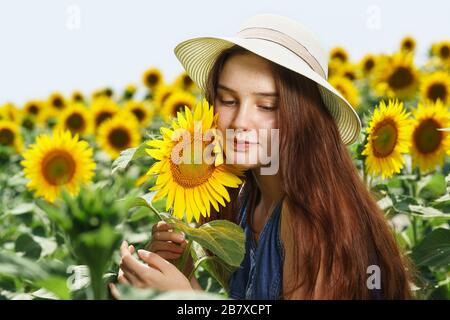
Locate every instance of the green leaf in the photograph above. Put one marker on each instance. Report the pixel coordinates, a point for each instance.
(213, 265)
(433, 250)
(22, 208)
(126, 156)
(432, 186)
(20, 267)
(222, 237)
(56, 285)
(26, 244)
(428, 213)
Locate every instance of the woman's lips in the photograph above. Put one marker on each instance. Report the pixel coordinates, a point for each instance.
(242, 145)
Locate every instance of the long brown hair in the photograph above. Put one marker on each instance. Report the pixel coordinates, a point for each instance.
(338, 229)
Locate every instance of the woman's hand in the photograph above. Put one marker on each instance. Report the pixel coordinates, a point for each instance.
(156, 272)
(165, 242)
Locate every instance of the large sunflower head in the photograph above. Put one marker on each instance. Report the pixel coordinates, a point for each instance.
(347, 89)
(76, 118)
(10, 135)
(152, 78)
(103, 108)
(189, 176)
(387, 139)
(142, 111)
(436, 86)
(396, 76)
(429, 144)
(119, 133)
(56, 162)
(176, 102)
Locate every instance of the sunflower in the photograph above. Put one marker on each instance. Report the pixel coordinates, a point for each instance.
(119, 133)
(57, 101)
(77, 96)
(176, 102)
(103, 108)
(429, 145)
(442, 51)
(142, 110)
(162, 93)
(191, 188)
(34, 108)
(387, 139)
(76, 118)
(367, 64)
(184, 82)
(152, 78)
(436, 86)
(347, 89)
(396, 76)
(56, 162)
(10, 135)
(10, 112)
(339, 53)
(408, 44)
(129, 91)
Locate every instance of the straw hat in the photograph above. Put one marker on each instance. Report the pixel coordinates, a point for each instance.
(280, 40)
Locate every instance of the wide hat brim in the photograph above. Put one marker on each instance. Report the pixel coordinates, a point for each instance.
(197, 56)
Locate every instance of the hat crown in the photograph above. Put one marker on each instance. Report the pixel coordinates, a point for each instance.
(294, 30)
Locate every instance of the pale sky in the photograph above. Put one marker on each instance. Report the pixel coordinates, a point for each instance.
(60, 45)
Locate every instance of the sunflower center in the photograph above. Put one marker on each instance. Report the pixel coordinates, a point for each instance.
(6, 137)
(445, 52)
(58, 103)
(190, 174)
(139, 114)
(341, 56)
(426, 136)
(102, 116)
(437, 91)
(369, 65)
(350, 75)
(179, 107)
(33, 109)
(119, 138)
(58, 167)
(187, 81)
(385, 138)
(152, 79)
(408, 44)
(75, 122)
(401, 78)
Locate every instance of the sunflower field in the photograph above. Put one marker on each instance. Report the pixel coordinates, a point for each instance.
(82, 172)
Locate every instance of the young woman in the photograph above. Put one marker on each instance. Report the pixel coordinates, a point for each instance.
(313, 229)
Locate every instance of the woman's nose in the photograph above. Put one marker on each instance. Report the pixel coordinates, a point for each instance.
(243, 117)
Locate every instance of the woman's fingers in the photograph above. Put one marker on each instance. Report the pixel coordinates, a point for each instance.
(161, 226)
(121, 278)
(168, 255)
(155, 261)
(114, 291)
(168, 236)
(165, 246)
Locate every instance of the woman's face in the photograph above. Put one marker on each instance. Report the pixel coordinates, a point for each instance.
(247, 102)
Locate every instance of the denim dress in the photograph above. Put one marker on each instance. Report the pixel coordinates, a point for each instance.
(260, 276)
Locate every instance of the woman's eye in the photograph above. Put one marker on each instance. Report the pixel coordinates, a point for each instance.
(227, 102)
(267, 108)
